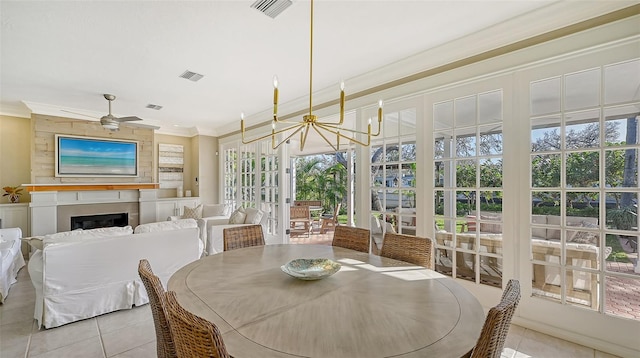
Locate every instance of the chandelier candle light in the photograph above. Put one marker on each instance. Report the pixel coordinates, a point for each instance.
(310, 121)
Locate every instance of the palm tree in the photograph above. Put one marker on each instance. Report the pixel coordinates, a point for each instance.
(307, 170)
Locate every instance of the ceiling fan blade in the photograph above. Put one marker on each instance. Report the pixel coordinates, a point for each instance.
(141, 125)
(78, 113)
(128, 119)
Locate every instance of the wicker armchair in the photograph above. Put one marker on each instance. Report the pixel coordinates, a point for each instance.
(165, 346)
(407, 248)
(496, 325)
(242, 236)
(193, 336)
(353, 238)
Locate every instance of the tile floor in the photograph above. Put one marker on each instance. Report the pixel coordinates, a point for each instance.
(130, 333)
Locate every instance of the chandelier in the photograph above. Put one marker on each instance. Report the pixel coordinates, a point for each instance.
(326, 130)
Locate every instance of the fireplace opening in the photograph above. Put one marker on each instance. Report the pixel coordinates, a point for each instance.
(98, 221)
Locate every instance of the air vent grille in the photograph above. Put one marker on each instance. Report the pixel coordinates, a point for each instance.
(191, 76)
(154, 106)
(271, 8)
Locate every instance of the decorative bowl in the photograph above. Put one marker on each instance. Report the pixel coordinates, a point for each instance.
(311, 269)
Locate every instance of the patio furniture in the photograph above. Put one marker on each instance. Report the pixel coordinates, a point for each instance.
(315, 209)
(300, 220)
(408, 248)
(242, 236)
(165, 347)
(307, 203)
(194, 336)
(406, 223)
(329, 222)
(361, 311)
(496, 325)
(353, 238)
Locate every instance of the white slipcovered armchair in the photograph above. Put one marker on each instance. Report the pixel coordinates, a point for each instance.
(212, 214)
(11, 259)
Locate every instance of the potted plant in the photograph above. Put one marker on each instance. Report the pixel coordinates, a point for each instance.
(13, 192)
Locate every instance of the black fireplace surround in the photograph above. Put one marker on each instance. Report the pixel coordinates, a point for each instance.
(98, 221)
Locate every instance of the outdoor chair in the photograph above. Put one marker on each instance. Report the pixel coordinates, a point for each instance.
(353, 238)
(300, 220)
(496, 325)
(330, 221)
(164, 342)
(307, 203)
(407, 248)
(242, 236)
(193, 336)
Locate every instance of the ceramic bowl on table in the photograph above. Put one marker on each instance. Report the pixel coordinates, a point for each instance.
(311, 269)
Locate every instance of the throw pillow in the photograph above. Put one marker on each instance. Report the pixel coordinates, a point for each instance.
(585, 237)
(192, 213)
(254, 216)
(238, 216)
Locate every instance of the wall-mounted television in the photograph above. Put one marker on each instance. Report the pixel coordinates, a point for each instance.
(95, 157)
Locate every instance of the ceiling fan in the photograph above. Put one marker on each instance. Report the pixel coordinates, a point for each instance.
(111, 122)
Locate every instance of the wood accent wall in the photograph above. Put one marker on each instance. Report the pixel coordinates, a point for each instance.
(45, 127)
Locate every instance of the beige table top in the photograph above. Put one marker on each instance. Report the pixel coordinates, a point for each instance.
(372, 307)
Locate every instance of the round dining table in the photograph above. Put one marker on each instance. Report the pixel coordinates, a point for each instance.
(372, 307)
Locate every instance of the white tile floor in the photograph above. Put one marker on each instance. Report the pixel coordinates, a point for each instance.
(130, 333)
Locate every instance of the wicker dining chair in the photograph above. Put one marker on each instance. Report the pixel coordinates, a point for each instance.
(496, 325)
(407, 248)
(165, 347)
(349, 237)
(242, 236)
(194, 336)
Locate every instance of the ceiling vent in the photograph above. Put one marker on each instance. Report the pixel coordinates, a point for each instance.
(271, 8)
(191, 76)
(154, 106)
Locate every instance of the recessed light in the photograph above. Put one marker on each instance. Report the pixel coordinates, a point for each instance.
(154, 106)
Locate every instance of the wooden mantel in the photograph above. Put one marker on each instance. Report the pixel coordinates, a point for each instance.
(97, 186)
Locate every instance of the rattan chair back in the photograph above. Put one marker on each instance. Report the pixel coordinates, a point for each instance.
(407, 248)
(349, 237)
(242, 236)
(194, 336)
(165, 347)
(496, 325)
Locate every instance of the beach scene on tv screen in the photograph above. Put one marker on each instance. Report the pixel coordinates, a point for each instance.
(96, 157)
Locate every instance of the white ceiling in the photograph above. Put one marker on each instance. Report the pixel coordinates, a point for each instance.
(63, 55)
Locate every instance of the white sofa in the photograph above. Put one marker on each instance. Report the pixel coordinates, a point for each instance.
(78, 276)
(212, 214)
(11, 260)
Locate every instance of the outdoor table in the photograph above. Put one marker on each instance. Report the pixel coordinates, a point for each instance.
(372, 307)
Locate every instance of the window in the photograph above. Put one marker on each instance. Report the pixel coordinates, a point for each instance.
(247, 163)
(230, 157)
(584, 186)
(269, 185)
(393, 172)
(468, 187)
